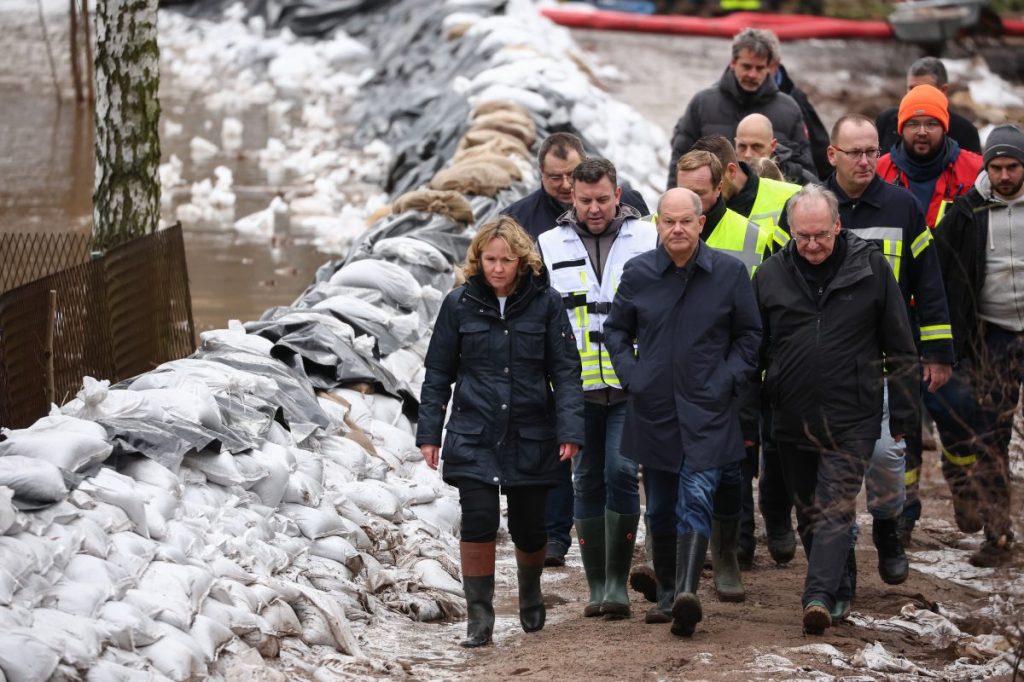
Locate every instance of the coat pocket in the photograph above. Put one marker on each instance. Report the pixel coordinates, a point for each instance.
(462, 439)
(473, 339)
(537, 451)
(529, 341)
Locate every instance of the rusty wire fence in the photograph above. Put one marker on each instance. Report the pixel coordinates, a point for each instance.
(25, 257)
(111, 317)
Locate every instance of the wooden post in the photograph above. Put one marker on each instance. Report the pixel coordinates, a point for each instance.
(76, 68)
(51, 316)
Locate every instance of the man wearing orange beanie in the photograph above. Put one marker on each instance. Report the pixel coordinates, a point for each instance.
(926, 160)
(936, 171)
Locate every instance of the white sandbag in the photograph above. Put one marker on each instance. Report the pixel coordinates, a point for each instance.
(82, 599)
(275, 460)
(131, 552)
(443, 513)
(146, 470)
(345, 452)
(386, 408)
(181, 395)
(32, 479)
(160, 500)
(108, 671)
(127, 626)
(413, 252)
(337, 548)
(236, 594)
(210, 635)
(97, 399)
(303, 490)
(171, 593)
(8, 514)
(219, 468)
(223, 567)
(394, 281)
(394, 439)
(33, 549)
(315, 523)
(176, 655)
(308, 463)
(23, 658)
(79, 640)
(251, 471)
(69, 450)
(373, 497)
(55, 421)
(404, 363)
(235, 337)
(335, 411)
(348, 509)
(335, 475)
(93, 536)
(359, 410)
(15, 563)
(120, 491)
(432, 575)
(281, 619)
(238, 620)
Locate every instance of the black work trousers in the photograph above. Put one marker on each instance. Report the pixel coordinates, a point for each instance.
(823, 480)
(481, 513)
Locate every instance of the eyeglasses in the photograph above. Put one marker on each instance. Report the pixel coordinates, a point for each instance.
(558, 177)
(819, 237)
(929, 126)
(872, 153)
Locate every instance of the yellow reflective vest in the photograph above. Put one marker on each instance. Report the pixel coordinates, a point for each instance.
(740, 237)
(588, 300)
(769, 203)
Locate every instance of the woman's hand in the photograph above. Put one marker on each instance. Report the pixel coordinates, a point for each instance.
(567, 451)
(430, 454)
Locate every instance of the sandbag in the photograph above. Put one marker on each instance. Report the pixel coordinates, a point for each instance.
(444, 202)
(96, 399)
(504, 143)
(8, 514)
(472, 177)
(397, 285)
(499, 105)
(33, 481)
(373, 497)
(523, 133)
(413, 252)
(127, 625)
(23, 658)
(176, 655)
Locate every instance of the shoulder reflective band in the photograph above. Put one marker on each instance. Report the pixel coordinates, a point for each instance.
(921, 243)
(580, 262)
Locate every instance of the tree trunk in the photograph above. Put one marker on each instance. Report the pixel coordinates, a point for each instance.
(126, 197)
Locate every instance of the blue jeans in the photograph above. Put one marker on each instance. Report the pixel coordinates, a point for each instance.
(558, 517)
(883, 480)
(684, 502)
(602, 477)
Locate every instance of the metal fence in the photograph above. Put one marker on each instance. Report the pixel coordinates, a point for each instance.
(113, 317)
(25, 257)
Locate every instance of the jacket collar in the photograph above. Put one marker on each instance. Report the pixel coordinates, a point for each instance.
(622, 214)
(731, 87)
(871, 195)
(714, 216)
(855, 265)
(701, 258)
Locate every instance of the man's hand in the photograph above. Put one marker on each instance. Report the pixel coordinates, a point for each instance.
(936, 375)
(567, 451)
(430, 454)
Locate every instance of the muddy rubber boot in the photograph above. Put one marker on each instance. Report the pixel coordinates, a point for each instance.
(892, 560)
(686, 611)
(781, 541)
(529, 567)
(642, 578)
(590, 533)
(478, 585)
(663, 554)
(620, 538)
(725, 534)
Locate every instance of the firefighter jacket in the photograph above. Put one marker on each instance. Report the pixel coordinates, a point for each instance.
(956, 178)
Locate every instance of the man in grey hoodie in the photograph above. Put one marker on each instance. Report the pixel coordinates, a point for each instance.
(980, 244)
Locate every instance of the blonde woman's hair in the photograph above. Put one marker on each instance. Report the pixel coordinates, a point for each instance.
(766, 168)
(509, 231)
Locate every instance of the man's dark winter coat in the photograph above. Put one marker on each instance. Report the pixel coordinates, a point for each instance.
(823, 356)
(698, 334)
(719, 109)
(815, 128)
(518, 392)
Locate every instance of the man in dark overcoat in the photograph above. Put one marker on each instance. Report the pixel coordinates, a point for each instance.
(683, 333)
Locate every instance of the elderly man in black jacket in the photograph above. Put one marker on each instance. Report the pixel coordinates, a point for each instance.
(833, 315)
(746, 87)
(690, 311)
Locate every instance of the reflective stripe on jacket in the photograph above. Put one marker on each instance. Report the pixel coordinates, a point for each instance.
(772, 196)
(587, 300)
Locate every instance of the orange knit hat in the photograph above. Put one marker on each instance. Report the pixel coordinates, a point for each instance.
(924, 100)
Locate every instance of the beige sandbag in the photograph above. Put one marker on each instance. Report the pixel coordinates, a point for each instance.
(493, 105)
(381, 212)
(446, 202)
(502, 161)
(504, 143)
(472, 177)
(516, 130)
(508, 122)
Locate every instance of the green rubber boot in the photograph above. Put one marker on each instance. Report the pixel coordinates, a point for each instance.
(725, 536)
(620, 538)
(590, 533)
